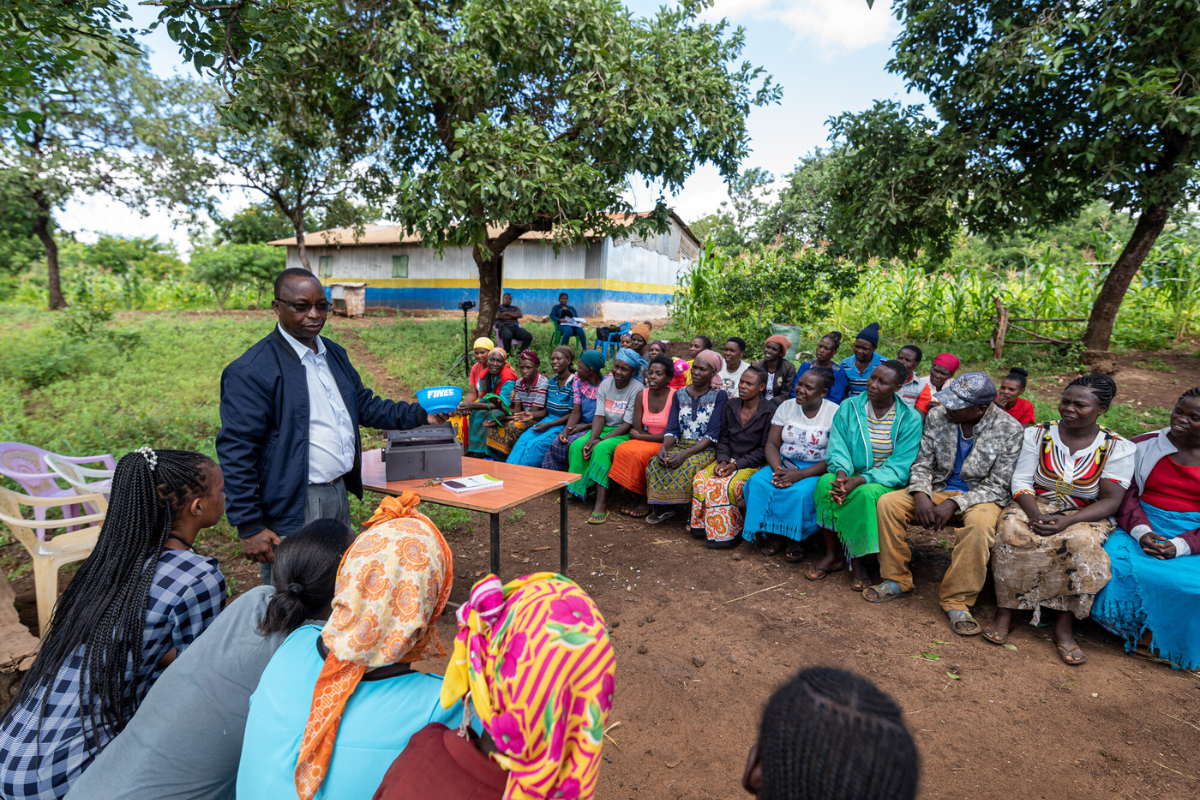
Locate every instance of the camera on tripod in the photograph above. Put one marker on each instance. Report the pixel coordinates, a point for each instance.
(467, 305)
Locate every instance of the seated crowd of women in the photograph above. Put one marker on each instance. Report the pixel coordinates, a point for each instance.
(144, 688)
(773, 452)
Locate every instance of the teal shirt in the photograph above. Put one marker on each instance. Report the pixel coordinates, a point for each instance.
(380, 717)
(849, 447)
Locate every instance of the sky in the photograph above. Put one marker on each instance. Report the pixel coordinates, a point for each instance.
(829, 56)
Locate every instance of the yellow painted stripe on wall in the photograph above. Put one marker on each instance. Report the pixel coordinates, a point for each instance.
(516, 284)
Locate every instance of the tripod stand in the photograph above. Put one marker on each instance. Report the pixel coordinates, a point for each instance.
(466, 306)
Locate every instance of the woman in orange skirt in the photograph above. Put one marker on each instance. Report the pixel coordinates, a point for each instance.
(651, 409)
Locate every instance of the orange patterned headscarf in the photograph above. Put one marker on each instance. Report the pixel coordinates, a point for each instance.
(393, 584)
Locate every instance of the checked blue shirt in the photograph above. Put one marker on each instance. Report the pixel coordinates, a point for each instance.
(184, 599)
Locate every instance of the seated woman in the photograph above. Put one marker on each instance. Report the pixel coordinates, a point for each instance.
(531, 746)
(1009, 396)
(336, 704)
(679, 367)
(592, 456)
(487, 400)
(779, 498)
(137, 602)
(781, 373)
(210, 684)
(717, 490)
(583, 410)
(651, 410)
(639, 338)
(864, 361)
(873, 442)
(530, 449)
(1070, 479)
(827, 349)
(689, 445)
(461, 420)
(695, 347)
(528, 407)
(1153, 570)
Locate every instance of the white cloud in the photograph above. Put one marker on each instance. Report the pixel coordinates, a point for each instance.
(836, 25)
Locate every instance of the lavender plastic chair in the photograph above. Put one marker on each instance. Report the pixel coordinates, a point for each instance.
(25, 464)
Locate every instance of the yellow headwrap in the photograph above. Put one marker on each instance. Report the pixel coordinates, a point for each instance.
(484, 342)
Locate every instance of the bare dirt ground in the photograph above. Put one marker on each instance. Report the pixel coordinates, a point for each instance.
(721, 629)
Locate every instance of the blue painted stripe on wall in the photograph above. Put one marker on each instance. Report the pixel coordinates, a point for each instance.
(531, 301)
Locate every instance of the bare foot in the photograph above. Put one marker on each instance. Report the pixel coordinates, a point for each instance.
(640, 510)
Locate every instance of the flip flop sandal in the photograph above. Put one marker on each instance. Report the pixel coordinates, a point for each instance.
(1065, 655)
(635, 516)
(957, 616)
(860, 586)
(772, 548)
(885, 591)
(995, 636)
(794, 556)
(661, 516)
(820, 574)
(597, 519)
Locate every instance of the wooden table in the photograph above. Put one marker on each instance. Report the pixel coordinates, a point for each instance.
(520, 484)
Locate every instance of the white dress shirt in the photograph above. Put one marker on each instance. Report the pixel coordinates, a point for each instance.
(330, 432)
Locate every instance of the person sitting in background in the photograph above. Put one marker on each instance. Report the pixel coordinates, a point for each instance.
(734, 366)
(943, 369)
(528, 407)
(533, 744)
(337, 704)
(139, 600)
(210, 684)
(781, 373)
(651, 411)
(1009, 396)
(592, 457)
(679, 367)
(487, 401)
(829, 734)
(859, 366)
(915, 391)
(1153, 554)
(697, 345)
(871, 448)
(689, 445)
(718, 489)
(461, 420)
(583, 410)
(779, 498)
(625, 341)
(564, 311)
(827, 349)
(530, 449)
(508, 322)
(639, 338)
(1070, 479)
(960, 477)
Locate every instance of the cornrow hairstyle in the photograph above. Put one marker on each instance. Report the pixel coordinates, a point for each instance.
(1193, 392)
(1104, 387)
(667, 363)
(103, 608)
(305, 571)
(1018, 374)
(292, 272)
(916, 350)
(707, 341)
(826, 375)
(759, 372)
(835, 337)
(898, 369)
(832, 735)
(739, 341)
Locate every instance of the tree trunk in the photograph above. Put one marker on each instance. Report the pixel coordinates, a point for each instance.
(1104, 310)
(41, 226)
(301, 247)
(489, 289)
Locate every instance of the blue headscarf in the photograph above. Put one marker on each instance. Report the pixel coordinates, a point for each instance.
(632, 358)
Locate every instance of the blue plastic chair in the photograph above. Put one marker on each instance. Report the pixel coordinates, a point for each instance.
(613, 340)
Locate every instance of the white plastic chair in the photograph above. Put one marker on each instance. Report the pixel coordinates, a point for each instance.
(78, 476)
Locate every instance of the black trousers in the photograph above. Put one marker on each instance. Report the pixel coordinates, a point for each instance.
(509, 333)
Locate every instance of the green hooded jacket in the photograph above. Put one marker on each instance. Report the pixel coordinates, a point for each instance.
(850, 443)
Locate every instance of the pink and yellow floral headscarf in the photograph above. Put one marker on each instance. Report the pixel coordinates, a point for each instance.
(536, 659)
(392, 586)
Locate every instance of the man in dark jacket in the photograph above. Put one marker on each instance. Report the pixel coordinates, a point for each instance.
(291, 405)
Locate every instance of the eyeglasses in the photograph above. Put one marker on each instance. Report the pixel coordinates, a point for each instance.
(303, 308)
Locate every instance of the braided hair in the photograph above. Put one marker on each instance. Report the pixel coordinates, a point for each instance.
(826, 375)
(1099, 384)
(833, 735)
(835, 337)
(1018, 374)
(103, 609)
(1192, 392)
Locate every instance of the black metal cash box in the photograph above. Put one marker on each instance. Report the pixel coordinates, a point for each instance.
(429, 451)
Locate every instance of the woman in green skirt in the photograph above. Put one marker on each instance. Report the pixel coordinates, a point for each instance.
(872, 445)
(592, 455)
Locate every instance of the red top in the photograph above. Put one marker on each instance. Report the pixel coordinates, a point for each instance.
(1022, 412)
(654, 423)
(438, 763)
(1173, 487)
